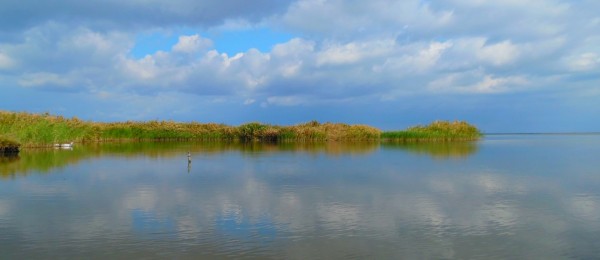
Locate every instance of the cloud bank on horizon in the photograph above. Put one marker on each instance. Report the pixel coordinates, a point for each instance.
(527, 65)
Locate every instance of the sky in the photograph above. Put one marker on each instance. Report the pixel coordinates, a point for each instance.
(505, 66)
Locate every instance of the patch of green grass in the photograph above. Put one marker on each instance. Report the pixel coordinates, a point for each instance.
(438, 131)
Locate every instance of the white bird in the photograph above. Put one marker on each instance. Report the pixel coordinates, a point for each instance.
(64, 145)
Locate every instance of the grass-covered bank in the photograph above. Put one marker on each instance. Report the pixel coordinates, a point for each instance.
(40, 130)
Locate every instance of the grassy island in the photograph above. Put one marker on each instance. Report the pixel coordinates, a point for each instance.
(42, 130)
(438, 131)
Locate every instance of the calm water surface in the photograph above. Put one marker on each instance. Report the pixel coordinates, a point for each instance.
(505, 197)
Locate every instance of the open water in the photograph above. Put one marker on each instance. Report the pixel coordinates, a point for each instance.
(504, 197)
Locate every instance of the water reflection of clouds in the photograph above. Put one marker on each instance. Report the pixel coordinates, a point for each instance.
(5, 207)
(338, 217)
(421, 209)
(147, 225)
(584, 206)
(499, 215)
(141, 198)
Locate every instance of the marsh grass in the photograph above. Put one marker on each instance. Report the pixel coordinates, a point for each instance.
(438, 131)
(44, 130)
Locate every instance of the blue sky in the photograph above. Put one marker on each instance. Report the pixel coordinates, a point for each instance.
(506, 66)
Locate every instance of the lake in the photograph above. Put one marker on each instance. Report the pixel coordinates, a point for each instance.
(504, 197)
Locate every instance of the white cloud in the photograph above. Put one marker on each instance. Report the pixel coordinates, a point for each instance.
(143, 69)
(354, 52)
(286, 100)
(476, 83)
(490, 84)
(44, 79)
(498, 54)
(191, 44)
(6, 62)
(477, 52)
(428, 58)
(343, 51)
(292, 57)
(348, 53)
(417, 59)
(584, 62)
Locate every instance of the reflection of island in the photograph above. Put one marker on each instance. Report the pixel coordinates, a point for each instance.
(328, 148)
(437, 150)
(8, 158)
(44, 160)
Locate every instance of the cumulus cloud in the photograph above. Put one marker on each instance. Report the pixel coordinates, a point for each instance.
(477, 83)
(416, 59)
(191, 44)
(499, 53)
(584, 62)
(342, 50)
(6, 62)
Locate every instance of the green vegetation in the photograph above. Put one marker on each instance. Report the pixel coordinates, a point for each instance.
(44, 130)
(438, 131)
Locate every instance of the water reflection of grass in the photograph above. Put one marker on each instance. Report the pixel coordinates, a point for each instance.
(41, 160)
(329, 148)
(44, 160)
(437, 150)
(173, 149)
(8, 146)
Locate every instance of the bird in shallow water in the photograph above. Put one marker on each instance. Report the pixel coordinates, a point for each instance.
(64, 145)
